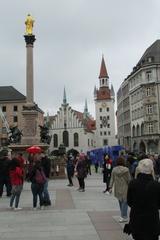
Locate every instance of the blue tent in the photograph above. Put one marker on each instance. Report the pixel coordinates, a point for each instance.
(97, 154)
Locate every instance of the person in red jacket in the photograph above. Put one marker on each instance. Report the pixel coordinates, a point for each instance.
(16, 177)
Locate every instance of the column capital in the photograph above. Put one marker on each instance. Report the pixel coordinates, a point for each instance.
(29, 39)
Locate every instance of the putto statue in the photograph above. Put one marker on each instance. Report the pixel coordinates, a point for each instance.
(29, 24)
(15, 135)
(44, 134)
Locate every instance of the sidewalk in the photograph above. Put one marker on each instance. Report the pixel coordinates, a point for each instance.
(90, 215)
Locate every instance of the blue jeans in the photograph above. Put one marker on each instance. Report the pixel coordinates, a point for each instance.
(45, 194)
(37, 190)
(123, 208)
(16, 192)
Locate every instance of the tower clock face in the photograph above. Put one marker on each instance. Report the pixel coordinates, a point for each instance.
(104, 104)
(104, 121)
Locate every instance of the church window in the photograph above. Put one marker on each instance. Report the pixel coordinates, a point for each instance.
(103, 81)
(65, 138)
(76, 140)
(105, 142)
(107, 109)
(55, 140)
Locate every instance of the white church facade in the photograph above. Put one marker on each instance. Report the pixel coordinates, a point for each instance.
(79, 131)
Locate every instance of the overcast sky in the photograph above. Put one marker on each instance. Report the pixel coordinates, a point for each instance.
(71, 37)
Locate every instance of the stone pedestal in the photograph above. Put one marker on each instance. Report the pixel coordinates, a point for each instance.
(30, 127)
(58, 163)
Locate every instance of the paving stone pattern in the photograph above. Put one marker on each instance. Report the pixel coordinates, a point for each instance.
(74, 215)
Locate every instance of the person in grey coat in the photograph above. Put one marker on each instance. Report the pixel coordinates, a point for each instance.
(120, 178)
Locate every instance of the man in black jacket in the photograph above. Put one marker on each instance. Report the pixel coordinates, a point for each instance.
(4, 175)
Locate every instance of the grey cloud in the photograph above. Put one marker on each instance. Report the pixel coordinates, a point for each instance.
(71, 38)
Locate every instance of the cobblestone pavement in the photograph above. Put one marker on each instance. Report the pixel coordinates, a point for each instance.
(73, 215)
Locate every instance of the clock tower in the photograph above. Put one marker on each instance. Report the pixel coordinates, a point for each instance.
(104, 110)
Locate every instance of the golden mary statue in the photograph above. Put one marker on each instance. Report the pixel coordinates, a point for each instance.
(29, 24)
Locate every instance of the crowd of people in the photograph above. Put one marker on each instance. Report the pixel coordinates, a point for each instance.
(135, 180)
(13, 172)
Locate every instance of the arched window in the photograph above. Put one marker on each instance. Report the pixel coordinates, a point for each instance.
(76, 140)
(55, 140)
(138, 130)
(65, 139)
(142, 129)
(133, 131)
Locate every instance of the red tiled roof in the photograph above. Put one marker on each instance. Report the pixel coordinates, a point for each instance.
(89, 123)
(103, 70)
(103, 93)
(79, 115)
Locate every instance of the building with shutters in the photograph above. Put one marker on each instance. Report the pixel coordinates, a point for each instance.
(138, 104)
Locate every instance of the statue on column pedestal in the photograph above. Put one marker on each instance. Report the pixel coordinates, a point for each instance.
(29, 24)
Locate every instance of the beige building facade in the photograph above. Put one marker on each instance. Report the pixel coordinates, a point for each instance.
(12, 103)
(143, 103)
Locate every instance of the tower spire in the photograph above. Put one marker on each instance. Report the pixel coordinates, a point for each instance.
(103, 69)
(64, 97)
(86, 109)
(103, 76)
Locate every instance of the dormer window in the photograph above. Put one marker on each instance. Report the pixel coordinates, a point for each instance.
(149, 59)
(149, 76)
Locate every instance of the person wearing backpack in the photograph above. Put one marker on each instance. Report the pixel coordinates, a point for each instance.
(38, 179)
(46, 165)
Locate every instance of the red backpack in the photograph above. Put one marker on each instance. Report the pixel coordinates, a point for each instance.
(40, 177)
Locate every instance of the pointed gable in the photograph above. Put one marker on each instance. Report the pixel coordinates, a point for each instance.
(103, 70)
